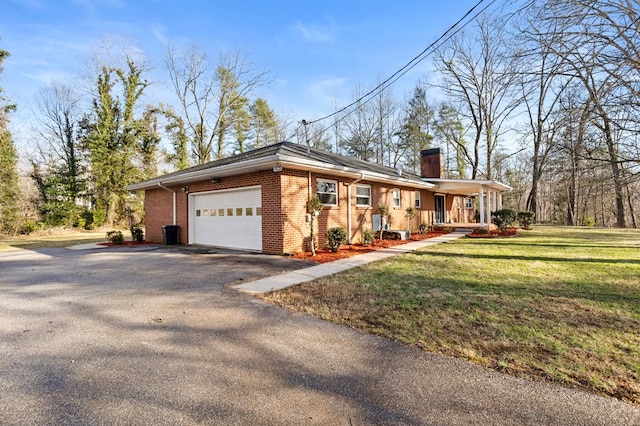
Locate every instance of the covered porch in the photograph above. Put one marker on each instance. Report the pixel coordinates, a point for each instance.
(488, 194)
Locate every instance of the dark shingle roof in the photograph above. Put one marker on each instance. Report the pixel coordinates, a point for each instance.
(291, 149)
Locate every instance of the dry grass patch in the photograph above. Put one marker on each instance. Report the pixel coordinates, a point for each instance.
(555, 304)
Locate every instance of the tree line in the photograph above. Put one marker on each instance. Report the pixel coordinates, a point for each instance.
(543, 97)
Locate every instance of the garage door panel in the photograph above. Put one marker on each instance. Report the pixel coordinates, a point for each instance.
(228, 219)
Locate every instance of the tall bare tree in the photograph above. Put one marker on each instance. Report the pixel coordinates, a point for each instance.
(479, 74)
(209, 92)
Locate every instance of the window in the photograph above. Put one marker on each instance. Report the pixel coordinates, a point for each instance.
(258, 211)
(213, 212)
(229, 212)
(220, 212)
(238, 211)
(469, 203)
(396, 197)
(363, 195)
(249, 211)
(417, 199)
(197, 213)
(327, 191)
(205, 212)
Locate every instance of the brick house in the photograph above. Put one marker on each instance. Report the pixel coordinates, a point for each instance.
(256, 200)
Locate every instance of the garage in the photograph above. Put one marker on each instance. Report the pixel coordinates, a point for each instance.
(228, 218)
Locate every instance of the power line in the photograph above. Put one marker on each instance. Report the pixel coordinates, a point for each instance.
(448, 34)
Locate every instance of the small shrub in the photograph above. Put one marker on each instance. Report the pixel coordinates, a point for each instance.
(526, 218)
(423, 228)
(504, 218)
(137, 234)
(115, 237)
(30, 226)
(337, 236)
(589, 221)
(368, 235)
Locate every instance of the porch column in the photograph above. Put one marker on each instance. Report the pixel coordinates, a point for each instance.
(489, 201)
(500, 200)
(481, 206)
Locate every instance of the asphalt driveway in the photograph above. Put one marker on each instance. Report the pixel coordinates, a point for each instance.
(123, 336)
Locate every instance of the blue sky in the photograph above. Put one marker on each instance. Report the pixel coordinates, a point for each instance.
(317, 52)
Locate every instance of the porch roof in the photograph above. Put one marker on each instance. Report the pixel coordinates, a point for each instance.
(466, 186)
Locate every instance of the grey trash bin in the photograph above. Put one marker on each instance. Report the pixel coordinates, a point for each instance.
(170, 234)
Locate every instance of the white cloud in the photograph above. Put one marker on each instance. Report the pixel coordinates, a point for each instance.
(314, 33)
(327, 89)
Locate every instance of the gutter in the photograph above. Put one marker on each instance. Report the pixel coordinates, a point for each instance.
(175, 203)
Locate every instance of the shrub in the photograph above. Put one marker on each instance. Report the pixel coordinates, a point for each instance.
(30, 226)
(589, 221)
(368, 235)
(526, 218)
(115, 237)
(423, 228)
(504, 218)
(137, 234)
(337, 236)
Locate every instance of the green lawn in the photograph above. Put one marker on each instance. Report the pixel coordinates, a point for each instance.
(52, 238)
(557, 304)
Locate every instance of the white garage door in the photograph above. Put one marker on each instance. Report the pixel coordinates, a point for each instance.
(231, 218)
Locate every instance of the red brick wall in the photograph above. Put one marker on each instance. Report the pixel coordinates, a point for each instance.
(284, 195)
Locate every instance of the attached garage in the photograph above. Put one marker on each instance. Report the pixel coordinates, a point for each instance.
(227, 218)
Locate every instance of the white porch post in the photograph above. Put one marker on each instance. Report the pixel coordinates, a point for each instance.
(488, 204)
(481, 206)
(500, 200)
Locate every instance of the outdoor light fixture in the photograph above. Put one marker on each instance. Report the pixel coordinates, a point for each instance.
(277, 168)
(185, 189)
(215, 180)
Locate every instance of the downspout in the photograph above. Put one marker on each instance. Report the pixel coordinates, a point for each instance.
(349, 205)
(175, 204)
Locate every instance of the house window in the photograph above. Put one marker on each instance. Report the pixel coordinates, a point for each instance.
(417, 199)
(396, 197)
(469, 203)
(327, 191)
(363, 195)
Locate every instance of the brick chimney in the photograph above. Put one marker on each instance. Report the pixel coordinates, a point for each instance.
(431, 163)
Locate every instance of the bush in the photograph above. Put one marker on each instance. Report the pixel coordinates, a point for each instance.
(30, 226)
(368, 235)
(526, 219)
(423, 228)
(337, 236)
(504, 218)
(115, 237)
(137, 234)
(589, 221)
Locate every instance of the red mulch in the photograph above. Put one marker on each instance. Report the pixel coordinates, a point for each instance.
(325, 255)
(126, 243)
(494, 233)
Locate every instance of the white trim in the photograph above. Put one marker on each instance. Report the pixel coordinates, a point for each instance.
(417, 197)
(394, 198)
(335, 182)
(363, 185)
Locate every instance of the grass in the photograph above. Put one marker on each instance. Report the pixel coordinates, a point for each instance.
(556, 304)
(56, 237)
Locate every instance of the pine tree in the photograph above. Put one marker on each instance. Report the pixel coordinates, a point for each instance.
(9, 189)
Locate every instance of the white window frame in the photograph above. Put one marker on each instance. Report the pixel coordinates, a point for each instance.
(417, 203)
(469, 203)
(368, 197)
(329, 181)
(397, 200)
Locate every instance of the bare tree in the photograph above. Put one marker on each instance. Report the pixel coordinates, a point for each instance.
(479, 75)
(208, 93)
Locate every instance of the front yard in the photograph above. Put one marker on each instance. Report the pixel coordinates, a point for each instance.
(556, 304)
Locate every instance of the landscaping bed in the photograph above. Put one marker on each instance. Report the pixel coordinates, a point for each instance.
(325, 255)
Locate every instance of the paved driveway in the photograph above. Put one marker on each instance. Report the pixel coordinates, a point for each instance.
(119, 336)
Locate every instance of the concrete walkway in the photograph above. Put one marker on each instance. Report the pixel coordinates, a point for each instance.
(278, 282)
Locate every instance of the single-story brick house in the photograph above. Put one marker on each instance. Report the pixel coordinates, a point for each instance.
(256, 200)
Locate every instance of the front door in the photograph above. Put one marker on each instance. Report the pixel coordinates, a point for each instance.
(439, 208)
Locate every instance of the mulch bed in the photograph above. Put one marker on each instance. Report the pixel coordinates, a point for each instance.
(125, 244)
(325, 255)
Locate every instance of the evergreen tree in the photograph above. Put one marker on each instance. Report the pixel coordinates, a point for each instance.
(115, 140)
(264, 123)
(9, 189)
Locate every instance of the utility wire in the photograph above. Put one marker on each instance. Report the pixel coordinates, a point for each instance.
(412, 63)
(448, 34)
